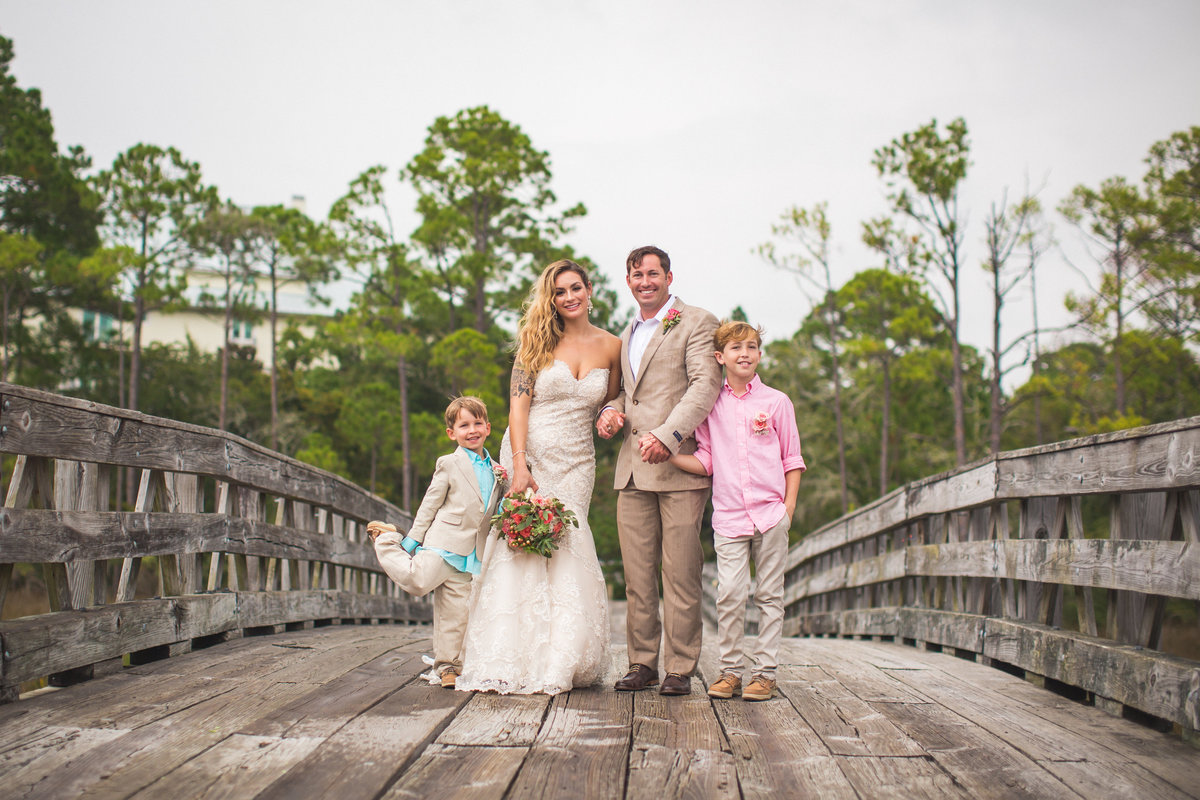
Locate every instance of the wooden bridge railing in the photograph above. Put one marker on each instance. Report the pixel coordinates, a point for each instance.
(202, 511)
(1107, 531)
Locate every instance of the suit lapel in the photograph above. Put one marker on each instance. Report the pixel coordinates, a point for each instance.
(626, 367)
(468, 472)
(652, 346)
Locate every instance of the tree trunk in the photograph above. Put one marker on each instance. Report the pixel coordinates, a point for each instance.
(996, 399)
(406, 493)
(837, 405)
(4, 356)
(886, 428)
(224, 404)
(1119, 340)
(274, 368)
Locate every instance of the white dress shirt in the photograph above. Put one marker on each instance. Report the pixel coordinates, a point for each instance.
(641, 333)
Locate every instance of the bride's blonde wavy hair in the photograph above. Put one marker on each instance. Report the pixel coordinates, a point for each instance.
(540, 328)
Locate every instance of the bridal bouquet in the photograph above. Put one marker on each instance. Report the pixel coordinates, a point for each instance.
(533, 524)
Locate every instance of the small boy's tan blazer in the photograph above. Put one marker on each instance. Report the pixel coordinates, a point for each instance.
(452, 515)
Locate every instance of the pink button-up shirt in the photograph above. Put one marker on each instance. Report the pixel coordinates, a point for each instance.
(753, 439)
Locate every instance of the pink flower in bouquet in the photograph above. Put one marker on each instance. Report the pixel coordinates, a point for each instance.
(761, 424)
(672, 319)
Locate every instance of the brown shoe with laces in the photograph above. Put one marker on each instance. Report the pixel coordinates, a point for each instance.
(675, 684)
(761, 688)
(449, 676)
(639, 677)
(726, 686)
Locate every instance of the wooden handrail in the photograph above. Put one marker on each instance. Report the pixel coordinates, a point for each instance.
(224, 568)
(937, 563)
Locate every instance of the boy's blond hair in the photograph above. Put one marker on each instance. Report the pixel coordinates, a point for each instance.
(736, 332)
(465, 403)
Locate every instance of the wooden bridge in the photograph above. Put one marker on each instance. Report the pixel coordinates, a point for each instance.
(935, 648)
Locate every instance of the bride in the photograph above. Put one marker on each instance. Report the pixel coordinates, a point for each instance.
(541, 624)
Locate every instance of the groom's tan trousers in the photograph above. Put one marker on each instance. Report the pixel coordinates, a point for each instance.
(662, 528)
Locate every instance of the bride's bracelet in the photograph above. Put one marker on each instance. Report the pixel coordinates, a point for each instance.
(519, 453)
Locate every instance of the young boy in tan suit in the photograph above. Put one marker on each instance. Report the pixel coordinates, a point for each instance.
(443, 547)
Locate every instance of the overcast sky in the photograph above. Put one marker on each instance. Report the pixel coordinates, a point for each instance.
(691, 125)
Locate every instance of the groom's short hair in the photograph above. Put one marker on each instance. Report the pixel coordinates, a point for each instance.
(473, 405)
(638, 253)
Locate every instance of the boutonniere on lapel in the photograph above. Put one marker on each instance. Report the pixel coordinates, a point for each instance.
(672, 319)
(760, 424)
(501, 473)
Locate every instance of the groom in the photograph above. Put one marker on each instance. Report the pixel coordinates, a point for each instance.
(670, 381)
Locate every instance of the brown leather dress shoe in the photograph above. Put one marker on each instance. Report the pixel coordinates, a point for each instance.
(639, 677)
(675, 684)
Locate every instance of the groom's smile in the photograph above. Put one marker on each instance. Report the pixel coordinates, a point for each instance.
(650, 285)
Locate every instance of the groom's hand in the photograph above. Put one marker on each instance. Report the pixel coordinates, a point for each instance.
(653, 451)
(609, 423)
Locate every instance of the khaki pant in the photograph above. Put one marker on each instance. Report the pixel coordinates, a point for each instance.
(424, 573)
(769, 550)
(662, 528)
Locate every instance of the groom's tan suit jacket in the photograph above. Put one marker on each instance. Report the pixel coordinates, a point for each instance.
(675, 388)
(676, 385)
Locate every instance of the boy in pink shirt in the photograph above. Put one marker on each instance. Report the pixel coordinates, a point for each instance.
(750, 446)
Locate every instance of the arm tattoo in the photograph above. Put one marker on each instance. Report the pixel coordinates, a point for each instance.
(522, 382)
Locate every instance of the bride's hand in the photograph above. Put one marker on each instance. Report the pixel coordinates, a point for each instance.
(522, 480)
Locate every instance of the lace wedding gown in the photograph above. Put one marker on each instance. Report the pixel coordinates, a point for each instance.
(541, 624)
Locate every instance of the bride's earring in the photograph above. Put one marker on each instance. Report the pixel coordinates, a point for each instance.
(591, 308)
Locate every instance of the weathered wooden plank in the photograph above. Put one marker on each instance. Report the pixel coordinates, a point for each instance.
(40, 535)
(844, 659)
(1160, 754)
(663, 773)
(364, 756)
(1140, 459)
(964, 488)
(900, 777)
(982, 764)
(1087, 767)
(1147, 566)
(963, 631)
(322, 711)
(777, 753)
(1158, 684)
(236, 767)
(582, 748)
(454, 771)
(48, 643)
(42, 424)
(497, 720)
(847, 725)
(678, 748)
(125, 764)
(24, 769)
(39, 645)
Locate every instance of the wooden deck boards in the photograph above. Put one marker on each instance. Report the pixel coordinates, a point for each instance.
(343, 712)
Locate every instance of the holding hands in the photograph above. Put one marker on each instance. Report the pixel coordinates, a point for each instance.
(609, 422)
(652, 450)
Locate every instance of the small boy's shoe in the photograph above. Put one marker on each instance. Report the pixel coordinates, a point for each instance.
(761, 688)
(449, 676)
(376, 527)
(726, 686)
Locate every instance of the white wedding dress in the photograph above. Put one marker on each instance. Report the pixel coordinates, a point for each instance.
(541, 624)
